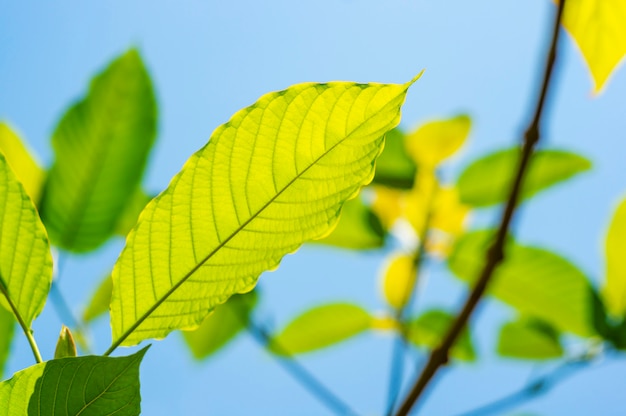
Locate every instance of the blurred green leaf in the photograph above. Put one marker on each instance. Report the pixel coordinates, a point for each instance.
(133, 208)
(428, 329)
(75, 386)
(22, 162)
(535, 281)
(486, 181)
(101, 146)
(529, 339)
(7, 330)
(219, 328)
(394, 167)
(399, 278)
(99, 303)
(358, 228)
(321, 327)
(614, 291)
(437, 140)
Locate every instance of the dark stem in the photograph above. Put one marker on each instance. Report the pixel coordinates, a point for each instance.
(495, 255)
(299, 372)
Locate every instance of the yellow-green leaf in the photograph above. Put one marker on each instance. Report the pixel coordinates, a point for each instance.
(394, 168)
(273, 177)
(598, 28)
(435, 141)
(25, 260)
(535, 281)
(100, 300)
(358, 228)
(66, 347)
(7, 329)
(134, 205)
(75, 386)
(486, 181)
(21, 161)
(219, 328)
(399, 280)
(529, 339)
(101, 146)
(614, 292)
(321, 327)
(429, 328)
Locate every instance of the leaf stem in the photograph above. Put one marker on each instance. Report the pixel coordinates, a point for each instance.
(495, 255)
(27, 332)
(299, 372)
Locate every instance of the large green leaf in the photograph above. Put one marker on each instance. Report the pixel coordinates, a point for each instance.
(7, 329)
(614, 292)
(274, 176)
(221, 326)
(22, 161)
(358, 228)
(75, 386)
(486, 181)
(529, 339)
(25, 260)
(101, 146)
(535, 281)
(428, 330)
(321, 327)
(394, 167)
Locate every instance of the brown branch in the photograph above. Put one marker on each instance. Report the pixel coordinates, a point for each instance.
(495, 255)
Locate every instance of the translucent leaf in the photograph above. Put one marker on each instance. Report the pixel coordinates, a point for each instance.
(599, 30)
(101, 146)
(25, 260)
(7, 330)
(71, 386)
(428, 330)
(321, 327)
(435, 141)
(614, 292)
(219, 328)
(22, 161)
(394, 168)
(358, 228)
(66, 347)
(399, 279)
(100, 300)
(529, 339)
(273, 177)
(535, 281)
(486, 181)
(388, 205)
(130, 214)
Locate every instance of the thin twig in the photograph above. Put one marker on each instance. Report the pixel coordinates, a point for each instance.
(25, 329)
(299, 372)
(495, 255)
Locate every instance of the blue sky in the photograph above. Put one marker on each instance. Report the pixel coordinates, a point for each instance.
(208, 59)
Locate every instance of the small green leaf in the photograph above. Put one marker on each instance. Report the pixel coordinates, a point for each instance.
(101, 146)
(66, 347)
(358, 228)
(535, 281)
(614, 291)
(486, 181)
(399, 279)
(428, 329)
(71, 386)
(22, 162)
(25, 259)
(99, 303)
(276, 175)
(321, 327)
(219, 328)
(529, 339)
(7, 330)
(437, 140)
(394, 168)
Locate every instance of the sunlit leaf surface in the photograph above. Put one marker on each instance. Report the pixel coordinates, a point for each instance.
(435, 141)
(486, 181)
(614, 292)
(101, 146)
(274, 176)
(25, 260)
(529, 339)
(321, 327)
(7, 330)
(75, 386)
(399, 279)
(428, 329)
(535, 281)
(598, 28)
(22, 161)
